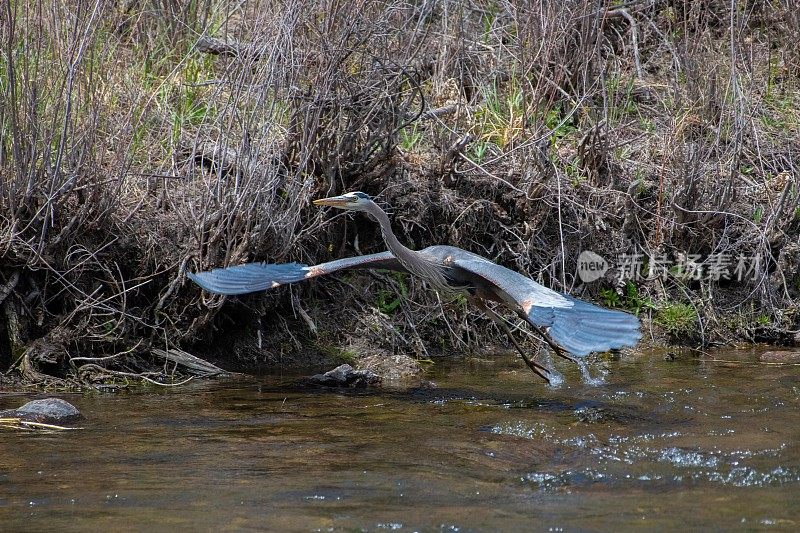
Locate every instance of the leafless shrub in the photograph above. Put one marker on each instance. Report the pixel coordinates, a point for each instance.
(145, 140)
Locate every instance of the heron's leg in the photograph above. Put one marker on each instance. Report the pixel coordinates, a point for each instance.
(558, 350)
(538, 369)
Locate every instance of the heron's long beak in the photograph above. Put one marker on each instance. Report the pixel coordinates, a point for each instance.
(333, 201)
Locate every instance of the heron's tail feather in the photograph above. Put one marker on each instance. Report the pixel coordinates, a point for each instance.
(585, 328)
(251, 277)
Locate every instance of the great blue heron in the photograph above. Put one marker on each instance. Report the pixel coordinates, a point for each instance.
(565, 323)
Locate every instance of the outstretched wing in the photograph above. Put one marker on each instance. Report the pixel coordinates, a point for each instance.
(521, 290)
(255, 277)
(585, 328)
(577, 326)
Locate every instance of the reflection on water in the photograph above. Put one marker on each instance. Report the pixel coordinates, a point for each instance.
(659, 444)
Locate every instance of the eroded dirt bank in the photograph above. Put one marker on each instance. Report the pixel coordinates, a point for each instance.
(138, 143)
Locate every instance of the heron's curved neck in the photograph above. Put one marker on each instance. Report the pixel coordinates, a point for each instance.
(416, 262)
(403, 253)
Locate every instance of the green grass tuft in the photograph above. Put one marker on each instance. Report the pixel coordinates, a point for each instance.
(680, 319)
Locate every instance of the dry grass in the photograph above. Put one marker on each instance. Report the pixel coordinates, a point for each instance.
(141, 140)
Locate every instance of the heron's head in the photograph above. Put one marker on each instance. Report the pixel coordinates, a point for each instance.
(354, 201)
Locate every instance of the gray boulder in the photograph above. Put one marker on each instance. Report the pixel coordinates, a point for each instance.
(45, 411)
(346, 376)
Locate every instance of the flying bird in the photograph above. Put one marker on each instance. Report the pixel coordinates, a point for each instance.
(571, 327)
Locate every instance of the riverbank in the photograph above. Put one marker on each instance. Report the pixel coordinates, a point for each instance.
(654, 143)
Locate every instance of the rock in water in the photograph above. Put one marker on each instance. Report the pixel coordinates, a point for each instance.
(391, 367)
(346, 376)
(780, 356)
(47, 411)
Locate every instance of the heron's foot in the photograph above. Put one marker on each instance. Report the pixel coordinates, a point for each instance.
(537, 369)
(562, 354)
(540, 371)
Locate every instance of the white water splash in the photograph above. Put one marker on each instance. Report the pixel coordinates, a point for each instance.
(556, 379)
(587, 378)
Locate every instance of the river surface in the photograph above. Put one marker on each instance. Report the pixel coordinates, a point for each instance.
(682, 444)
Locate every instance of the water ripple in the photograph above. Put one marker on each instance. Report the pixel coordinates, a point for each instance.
(638, 459)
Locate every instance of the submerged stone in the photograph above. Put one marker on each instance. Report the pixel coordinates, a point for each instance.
(346, 376)
(780, 356)
(591, 415)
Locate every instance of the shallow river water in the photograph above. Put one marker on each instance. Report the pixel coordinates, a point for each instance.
(682, 444)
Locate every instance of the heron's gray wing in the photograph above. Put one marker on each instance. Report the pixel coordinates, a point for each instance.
(520, 289)
(255, 277)
(577, 326)
(585, 328)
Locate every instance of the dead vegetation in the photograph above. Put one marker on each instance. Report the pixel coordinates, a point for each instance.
(141, 140)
